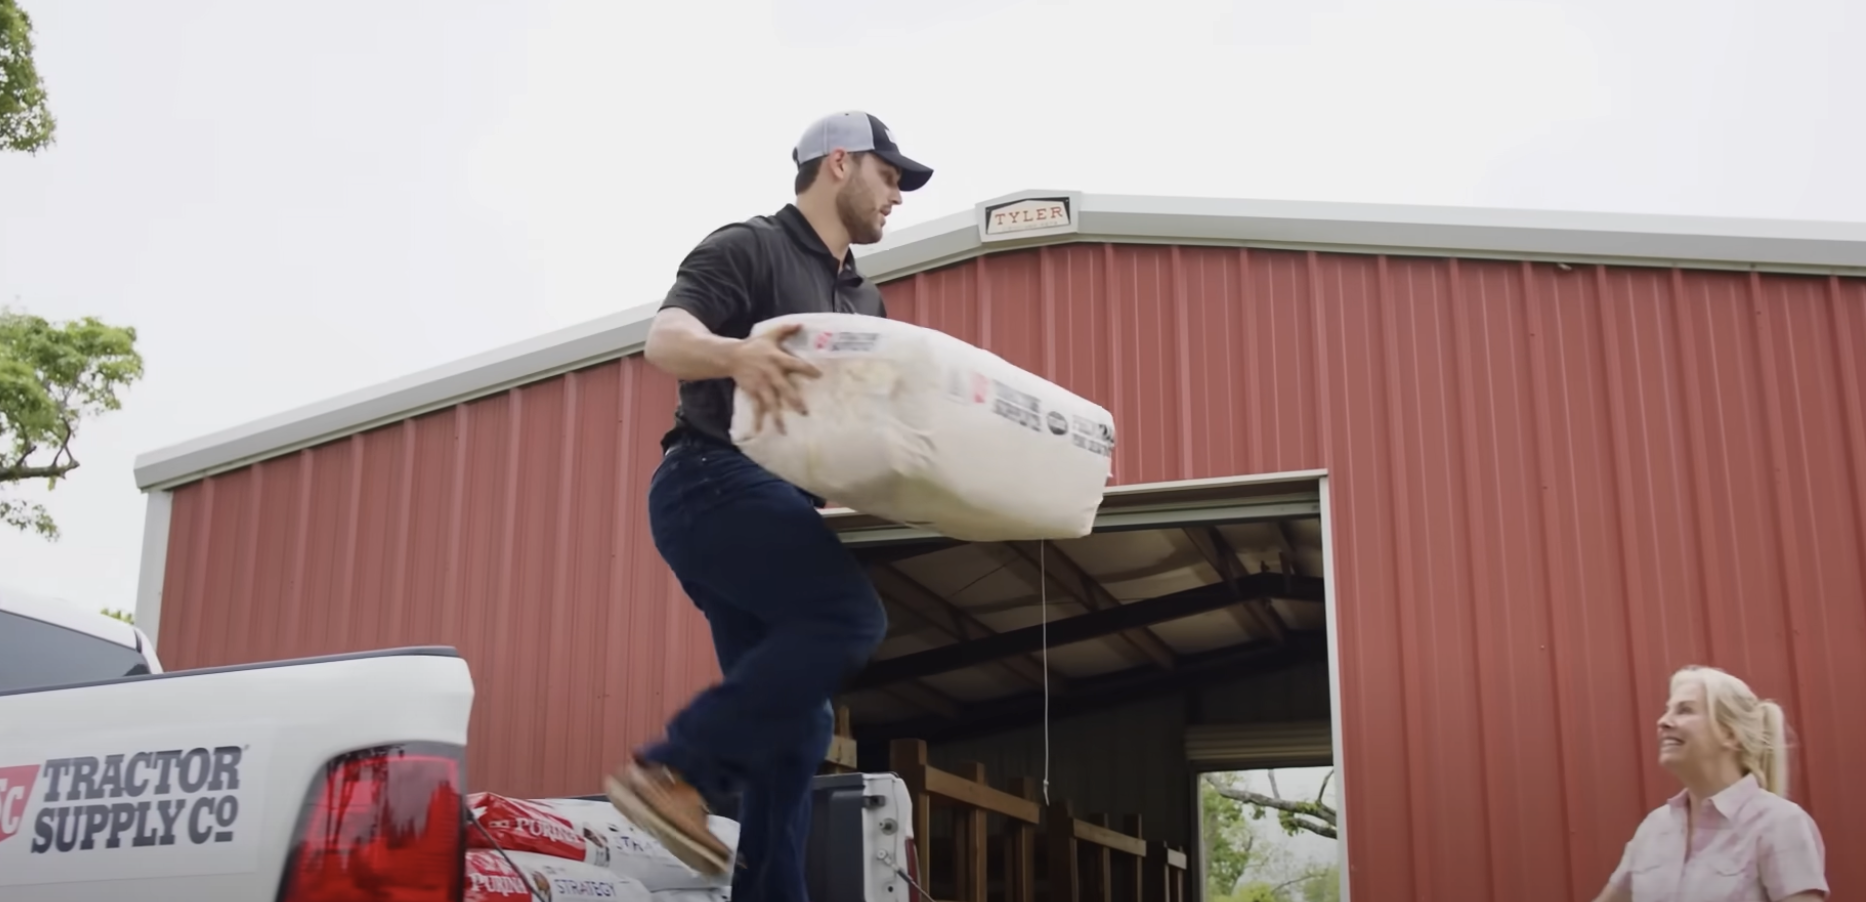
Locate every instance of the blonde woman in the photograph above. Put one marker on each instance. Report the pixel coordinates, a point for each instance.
(1732, 835)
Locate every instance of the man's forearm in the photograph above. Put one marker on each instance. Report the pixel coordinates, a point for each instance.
(679, 345)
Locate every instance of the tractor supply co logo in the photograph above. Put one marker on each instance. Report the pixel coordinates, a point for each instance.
(178, 796)
(134, 813)
(15, 785)
(846, 342)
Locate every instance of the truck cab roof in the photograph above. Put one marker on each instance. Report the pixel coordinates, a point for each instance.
(45, 640)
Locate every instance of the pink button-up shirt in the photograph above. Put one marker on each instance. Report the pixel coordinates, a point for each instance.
(1750, 845)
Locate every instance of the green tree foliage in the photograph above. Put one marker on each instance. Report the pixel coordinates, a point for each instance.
(1324, 885)
(1242, 865)
(1229, 840)
(53, 376)
(1315, 883)
(1256, 891)
(124, 616)
(26, 123)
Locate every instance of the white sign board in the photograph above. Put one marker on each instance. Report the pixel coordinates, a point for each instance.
(1031, 217)
(134, 807)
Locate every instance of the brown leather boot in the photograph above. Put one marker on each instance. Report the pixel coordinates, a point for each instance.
(657, 800)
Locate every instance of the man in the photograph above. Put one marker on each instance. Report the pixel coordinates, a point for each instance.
(792, 613)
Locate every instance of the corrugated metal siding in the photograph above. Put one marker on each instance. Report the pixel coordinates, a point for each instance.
(513, 528)
(1269, 744)
(1551, 488)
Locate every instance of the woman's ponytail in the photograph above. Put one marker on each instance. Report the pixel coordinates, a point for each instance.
(1771, 765)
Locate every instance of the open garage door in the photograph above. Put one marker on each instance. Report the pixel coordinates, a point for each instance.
(1180, 585)
(1251, 746)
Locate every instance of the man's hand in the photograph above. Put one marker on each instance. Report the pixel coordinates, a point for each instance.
(681, 346)
(763, 369)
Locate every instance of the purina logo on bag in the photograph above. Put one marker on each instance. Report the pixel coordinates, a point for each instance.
(501, 884)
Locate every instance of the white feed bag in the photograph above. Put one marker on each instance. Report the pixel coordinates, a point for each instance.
(590, 832)
(494, 876)
(632, 852)
(915, 426)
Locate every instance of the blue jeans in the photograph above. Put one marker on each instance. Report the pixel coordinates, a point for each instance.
(793, 616)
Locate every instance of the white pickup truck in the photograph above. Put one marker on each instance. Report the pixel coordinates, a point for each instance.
(333, 779)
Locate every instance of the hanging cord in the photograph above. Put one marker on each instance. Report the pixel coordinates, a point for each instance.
(1043, 594)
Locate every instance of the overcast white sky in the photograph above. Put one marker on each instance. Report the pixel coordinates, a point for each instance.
(293, 200)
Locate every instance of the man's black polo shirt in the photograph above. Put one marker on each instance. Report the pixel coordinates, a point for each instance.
(746, 273)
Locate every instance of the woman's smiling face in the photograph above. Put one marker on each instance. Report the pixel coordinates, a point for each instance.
(1688, 734)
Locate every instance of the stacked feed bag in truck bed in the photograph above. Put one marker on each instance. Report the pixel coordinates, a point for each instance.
(578, 848)
(861, 845)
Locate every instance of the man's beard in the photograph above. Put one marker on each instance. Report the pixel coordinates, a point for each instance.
(855, 209)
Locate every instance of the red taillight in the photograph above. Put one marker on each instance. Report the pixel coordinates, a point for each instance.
(914, 893)
(384, 825)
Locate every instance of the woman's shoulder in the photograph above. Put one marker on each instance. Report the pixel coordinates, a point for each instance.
(1657, 822)
(1768, 809)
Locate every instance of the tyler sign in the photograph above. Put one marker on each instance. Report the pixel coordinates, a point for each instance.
(1029, 217)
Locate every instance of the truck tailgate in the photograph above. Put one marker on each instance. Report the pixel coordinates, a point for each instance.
(190, 785)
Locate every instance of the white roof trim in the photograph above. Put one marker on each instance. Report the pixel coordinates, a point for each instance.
(1769, 245)
(602, 339)
(1568, 237)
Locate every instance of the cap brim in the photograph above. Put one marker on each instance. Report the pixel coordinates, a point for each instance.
(913, 175)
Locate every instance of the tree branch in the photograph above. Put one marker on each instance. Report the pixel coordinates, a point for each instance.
(21, 472)
(1316, 827)
(18, 471)
(1320, 812)
(1289, 883)
(1313, 817)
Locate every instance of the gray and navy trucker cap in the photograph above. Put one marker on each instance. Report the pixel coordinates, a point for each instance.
(856, 132)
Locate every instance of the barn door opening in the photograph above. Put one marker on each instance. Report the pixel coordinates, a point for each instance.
(1269, 811)
(1190, 602)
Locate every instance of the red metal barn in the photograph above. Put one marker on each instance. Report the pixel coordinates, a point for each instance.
(1485, 478)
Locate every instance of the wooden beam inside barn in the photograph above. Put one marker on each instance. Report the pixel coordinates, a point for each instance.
(1084, 627)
